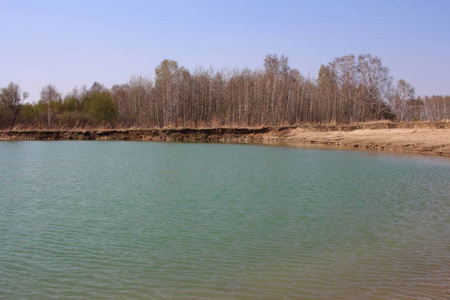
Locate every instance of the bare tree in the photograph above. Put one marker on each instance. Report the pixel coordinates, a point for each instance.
(436, 108)
(167, 91)
(403, 94)
(49, 95)
(349, 89)
(327, 95)
(12, 99)
(363, 88)
(374, 86)
(140, 100)
(343, 70)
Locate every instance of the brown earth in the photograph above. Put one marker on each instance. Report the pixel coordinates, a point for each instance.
(422, 138)
(432, 141)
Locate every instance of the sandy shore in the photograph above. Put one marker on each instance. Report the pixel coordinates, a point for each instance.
(419, 138)
(431, 141)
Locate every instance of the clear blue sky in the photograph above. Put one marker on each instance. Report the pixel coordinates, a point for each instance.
(72, 43)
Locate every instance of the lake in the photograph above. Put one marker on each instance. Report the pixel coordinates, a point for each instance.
(139, 220)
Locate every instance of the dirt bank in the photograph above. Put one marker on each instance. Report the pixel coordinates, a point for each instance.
(173, 135)
(422, 138)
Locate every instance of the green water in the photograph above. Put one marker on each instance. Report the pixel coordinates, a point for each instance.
(136, 220)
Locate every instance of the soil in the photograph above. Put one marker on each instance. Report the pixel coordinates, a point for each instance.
(431, 141)
(421, 138)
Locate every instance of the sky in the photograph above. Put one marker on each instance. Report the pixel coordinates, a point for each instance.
(75, 43)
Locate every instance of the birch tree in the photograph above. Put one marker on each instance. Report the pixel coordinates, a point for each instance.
(403, 94)
(49, 95)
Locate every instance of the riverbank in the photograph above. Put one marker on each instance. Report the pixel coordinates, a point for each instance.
(429, 141)
(420, 138)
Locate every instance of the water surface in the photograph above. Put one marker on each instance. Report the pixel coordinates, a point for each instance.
(139, 220)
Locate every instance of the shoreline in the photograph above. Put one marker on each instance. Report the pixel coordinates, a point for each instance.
(416, 138)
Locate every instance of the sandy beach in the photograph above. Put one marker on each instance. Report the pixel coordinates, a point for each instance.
(430, 141)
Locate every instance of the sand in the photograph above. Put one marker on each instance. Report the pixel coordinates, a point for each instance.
(431, 141)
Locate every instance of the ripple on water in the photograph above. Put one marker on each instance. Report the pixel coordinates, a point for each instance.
(202, 221)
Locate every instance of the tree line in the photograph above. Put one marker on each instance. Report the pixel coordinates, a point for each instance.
(348, 89)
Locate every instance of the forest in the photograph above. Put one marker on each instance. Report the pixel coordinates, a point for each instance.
(349, 89)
